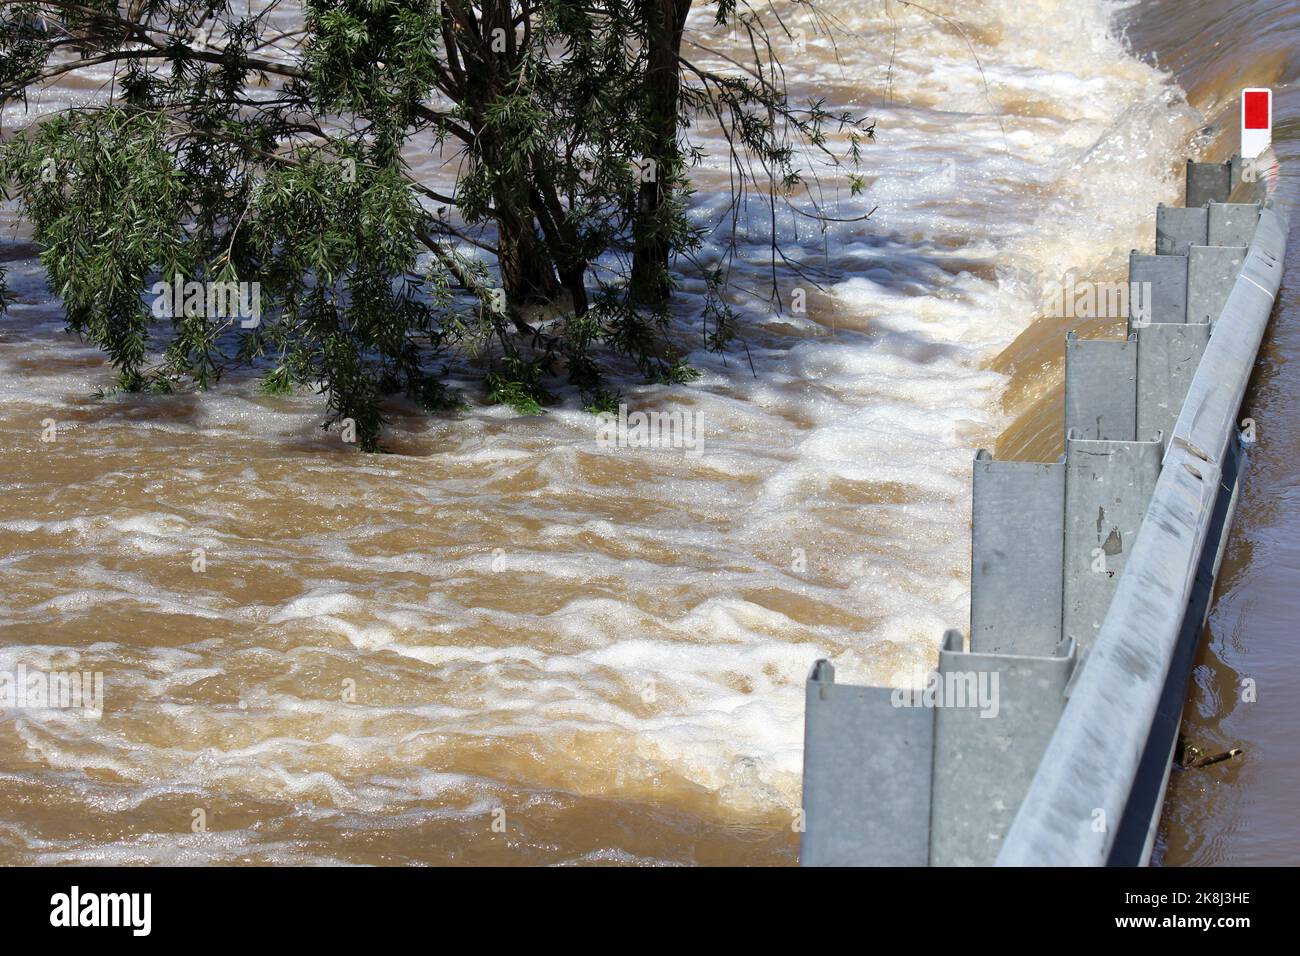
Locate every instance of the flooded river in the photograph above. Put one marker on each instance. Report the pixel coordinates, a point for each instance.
(504, 643)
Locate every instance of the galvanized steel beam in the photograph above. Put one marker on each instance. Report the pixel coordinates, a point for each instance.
(1178, 228)
(1167, 356)
(1161, 281)
(1107, 484)
(1211, 270)
(1231, 224)
(1208, 182)
(1101, 387)
(996, 715)
(1017, 528)
(866, 776)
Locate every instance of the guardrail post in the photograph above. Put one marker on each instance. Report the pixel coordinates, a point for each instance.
(1208, 182)
(1017, 528)
(1231, 223)
(1177, 228)
(1237, 165)
(997, 715)
(1101, 387)
(1107, 486)
(866, 776)
(1210, 274)
(1167, 356)
(1167, 278)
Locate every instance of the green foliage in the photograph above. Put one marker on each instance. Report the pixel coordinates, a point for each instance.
(277, 382)
(604, 402)
(107, 204)
(677, 373)
(518, 384)
(215, 162)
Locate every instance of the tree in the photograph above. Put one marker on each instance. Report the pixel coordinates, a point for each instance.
(664, 28)
(232, 150)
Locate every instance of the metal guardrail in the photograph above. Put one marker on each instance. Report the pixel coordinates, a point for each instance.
(1082, 628)
(1095, 797)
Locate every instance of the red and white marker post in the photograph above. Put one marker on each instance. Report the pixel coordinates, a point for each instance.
(1256, 121)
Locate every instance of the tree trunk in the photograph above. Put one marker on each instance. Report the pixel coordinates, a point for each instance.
(527, 274)
(665, 23)
(561, 238)
(526, 265)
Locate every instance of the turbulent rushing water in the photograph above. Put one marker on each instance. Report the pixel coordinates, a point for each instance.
(609, 646)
